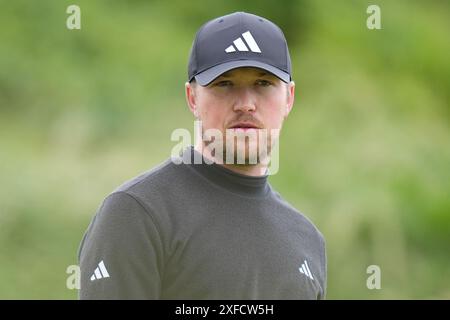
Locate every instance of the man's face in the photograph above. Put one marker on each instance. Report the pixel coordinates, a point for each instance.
(243, 101)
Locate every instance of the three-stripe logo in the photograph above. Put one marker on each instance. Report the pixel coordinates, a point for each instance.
(305, 270)
(240, 45)
(100, 272)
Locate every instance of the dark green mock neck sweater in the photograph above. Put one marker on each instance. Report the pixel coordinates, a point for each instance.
(199, 231)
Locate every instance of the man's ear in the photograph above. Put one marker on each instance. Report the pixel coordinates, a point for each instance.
(191, 98)
(290, 98)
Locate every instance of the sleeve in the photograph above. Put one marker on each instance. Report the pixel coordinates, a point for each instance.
(323, 294)
(121, 254)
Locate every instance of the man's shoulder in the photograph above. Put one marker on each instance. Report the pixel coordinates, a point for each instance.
(298, 217)
(159, 179)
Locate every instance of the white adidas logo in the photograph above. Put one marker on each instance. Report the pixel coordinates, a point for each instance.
(100, 272)
(240, 45)
(305, 270)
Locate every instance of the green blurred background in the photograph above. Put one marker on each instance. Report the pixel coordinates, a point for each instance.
(365, 152)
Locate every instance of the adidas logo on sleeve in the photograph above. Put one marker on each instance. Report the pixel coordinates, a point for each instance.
(100, 272)
(305, 270)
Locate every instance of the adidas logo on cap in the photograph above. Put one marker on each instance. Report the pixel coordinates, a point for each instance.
(240, 45)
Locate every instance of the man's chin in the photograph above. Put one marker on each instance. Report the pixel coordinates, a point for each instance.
(243, 155)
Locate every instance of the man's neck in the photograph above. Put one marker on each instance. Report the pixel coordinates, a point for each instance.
(254, 170)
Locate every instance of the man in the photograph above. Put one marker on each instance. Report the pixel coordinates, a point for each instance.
(213, 231)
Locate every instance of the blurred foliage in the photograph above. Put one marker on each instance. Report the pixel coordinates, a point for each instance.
(365, 152)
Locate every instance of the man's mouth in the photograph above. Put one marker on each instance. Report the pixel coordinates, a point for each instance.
(244, 126)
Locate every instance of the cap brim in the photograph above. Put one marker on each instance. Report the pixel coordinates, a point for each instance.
(206, 77)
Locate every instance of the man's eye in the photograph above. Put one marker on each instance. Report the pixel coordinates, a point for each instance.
(224, 83)
(263, 83)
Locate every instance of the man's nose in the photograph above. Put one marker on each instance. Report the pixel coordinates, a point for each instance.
(245, 100)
